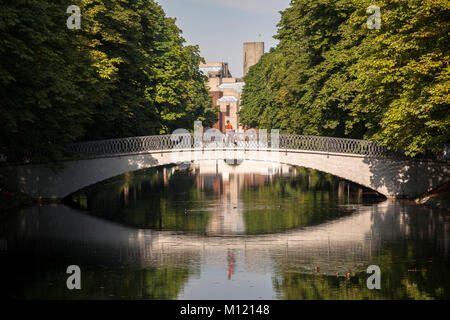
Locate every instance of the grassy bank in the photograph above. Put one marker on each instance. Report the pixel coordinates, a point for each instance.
(439, 197)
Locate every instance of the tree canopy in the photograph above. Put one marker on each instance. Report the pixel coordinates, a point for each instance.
(331, 75)
(126, 72)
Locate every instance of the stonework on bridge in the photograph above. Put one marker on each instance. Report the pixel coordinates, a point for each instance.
(355, 160)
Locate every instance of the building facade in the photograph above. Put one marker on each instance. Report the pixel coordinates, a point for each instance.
(225, 90)
(253, 51)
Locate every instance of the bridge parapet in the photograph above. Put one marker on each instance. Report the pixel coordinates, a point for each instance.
(247, 141)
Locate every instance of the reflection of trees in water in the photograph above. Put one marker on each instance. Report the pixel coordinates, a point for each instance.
(414, 278)
(308, 199)
(411, 246)
(115, 261)
(145, 199)
(159, 283)
(168, 199)
(415, 223)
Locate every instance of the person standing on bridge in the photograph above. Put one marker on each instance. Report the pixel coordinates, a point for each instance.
(229, 132)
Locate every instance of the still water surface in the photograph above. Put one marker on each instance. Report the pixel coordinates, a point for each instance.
(213, 231)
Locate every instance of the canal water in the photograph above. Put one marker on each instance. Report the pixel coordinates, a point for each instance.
(217, 231)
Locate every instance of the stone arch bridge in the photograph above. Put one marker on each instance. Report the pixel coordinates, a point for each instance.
(359, 161)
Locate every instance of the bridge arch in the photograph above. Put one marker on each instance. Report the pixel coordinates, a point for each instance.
(358, 161)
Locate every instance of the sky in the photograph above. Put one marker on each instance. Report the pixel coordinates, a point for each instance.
(220, 27)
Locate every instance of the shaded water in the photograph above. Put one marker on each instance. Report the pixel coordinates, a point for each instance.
(214, 231)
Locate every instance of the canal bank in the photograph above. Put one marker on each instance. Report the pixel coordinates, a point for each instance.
(438, 198)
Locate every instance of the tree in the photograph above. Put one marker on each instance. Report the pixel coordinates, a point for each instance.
(335, 77)
(406, 79)
(261, 108)
(157, 85)
(126, 72)
(47, 85)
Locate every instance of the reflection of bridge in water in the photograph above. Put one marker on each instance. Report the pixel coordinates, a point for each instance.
(227, 182)
(344, 244)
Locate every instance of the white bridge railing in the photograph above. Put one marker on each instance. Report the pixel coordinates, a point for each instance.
(246, 141)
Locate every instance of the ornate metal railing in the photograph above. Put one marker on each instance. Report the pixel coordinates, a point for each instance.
(329, 144)
(237, 140)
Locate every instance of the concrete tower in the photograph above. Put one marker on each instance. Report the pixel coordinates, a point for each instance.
(253, 51)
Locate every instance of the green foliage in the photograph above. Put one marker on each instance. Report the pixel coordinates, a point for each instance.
(126, 72)
(411, 278)
(332, 76)
(409, 75)
(47, 86)
(260, 107)
(140, 199)
(306, 200)
(107, 283)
